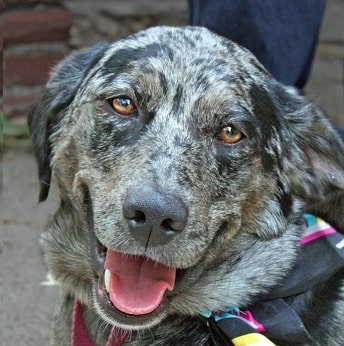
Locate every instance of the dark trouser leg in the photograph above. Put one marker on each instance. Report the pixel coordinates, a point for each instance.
(282, 34)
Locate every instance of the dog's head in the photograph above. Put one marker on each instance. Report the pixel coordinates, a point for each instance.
(182, 166)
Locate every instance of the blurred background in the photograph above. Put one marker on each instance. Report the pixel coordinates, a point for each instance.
(36, 35)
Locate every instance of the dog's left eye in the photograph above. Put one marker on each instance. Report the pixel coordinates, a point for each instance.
(230, 135)
(123, 105)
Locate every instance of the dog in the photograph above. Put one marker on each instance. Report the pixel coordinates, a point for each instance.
(184, 171)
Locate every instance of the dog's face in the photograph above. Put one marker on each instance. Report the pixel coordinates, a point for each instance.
(181, 165)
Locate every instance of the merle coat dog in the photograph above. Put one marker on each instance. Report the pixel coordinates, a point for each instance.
(184, 170)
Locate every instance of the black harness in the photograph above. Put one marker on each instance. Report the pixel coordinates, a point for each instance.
(321, 256)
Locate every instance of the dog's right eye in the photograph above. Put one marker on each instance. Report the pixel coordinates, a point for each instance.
(230, 135)
(123, 105)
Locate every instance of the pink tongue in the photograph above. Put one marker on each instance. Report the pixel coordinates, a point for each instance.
(137, 284)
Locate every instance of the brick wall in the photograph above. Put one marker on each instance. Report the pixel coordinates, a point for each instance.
(35, 35)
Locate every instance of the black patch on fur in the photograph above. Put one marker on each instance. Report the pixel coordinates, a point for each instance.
(107, 136)
(270, 124)
(263, 109)
(177, 99)
(122, 58)
(268, 161)
(285, 200)
(163, 83)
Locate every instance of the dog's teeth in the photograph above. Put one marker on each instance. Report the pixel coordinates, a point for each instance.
(107, 276)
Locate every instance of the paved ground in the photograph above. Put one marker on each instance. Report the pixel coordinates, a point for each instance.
(26, 305)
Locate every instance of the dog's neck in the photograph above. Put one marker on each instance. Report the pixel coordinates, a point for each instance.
(322, 243)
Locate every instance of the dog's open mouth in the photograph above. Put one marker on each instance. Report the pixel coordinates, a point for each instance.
(136, 285)
(131, 289)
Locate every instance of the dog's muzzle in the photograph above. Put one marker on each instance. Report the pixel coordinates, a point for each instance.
(131, 289)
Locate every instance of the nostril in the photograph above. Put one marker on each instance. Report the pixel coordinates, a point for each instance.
(167, 225)
(139, 216)
(172, 225)
(132, 211)
(137, 220)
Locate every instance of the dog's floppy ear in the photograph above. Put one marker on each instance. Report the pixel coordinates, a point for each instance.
(47, 112)
(314, 153)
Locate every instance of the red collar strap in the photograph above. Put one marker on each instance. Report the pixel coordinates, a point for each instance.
(80, 336)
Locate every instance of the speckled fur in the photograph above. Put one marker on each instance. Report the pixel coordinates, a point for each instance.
(244, 200)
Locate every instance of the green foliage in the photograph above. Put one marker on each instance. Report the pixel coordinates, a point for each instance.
(12, 133)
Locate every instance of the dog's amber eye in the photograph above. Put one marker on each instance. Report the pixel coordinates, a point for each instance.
(230, 135)
(123, 105)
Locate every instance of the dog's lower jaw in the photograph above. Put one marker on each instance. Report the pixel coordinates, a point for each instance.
(109, 313)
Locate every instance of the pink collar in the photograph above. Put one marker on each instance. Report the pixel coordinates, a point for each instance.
(80, 336)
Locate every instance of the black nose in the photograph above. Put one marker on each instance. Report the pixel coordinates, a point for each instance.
(154, 217)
